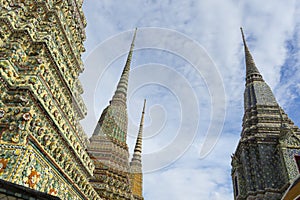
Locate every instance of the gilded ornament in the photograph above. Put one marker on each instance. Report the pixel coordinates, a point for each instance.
(3, 164)
(17, 152)
(15, 138)
(33, 178)
(32, 80)
(53, 191)
(52, 145)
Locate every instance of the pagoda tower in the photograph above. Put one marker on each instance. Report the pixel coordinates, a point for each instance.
(108, 147)
(136, 173)
(267, 158)
(42, 144)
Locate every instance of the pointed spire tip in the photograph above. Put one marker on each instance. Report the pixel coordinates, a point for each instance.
(138, 145)
(250, 65)
(243, 36)
(134, 35)
(121, 92)
(144, 106)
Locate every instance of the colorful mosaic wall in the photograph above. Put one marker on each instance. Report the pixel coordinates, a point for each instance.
(42, 144)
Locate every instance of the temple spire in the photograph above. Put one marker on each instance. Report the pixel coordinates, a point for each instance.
(138, 146)
(136, 172)
(266, 140)
(121, 91)
(257, 91)
(252, 72)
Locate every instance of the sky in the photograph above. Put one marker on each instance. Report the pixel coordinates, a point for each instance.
(189, 65)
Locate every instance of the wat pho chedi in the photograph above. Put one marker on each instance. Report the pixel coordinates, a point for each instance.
(44, 152)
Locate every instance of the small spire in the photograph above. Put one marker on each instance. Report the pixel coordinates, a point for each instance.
(137, 155)
(121, 91)
(136, 172)
(251, 68)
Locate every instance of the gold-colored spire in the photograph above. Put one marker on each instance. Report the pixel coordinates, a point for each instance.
(121, 91)
(136, 173)
(138, 146)
(251, 69)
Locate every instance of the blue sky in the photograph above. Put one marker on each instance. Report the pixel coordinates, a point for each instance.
(189, 64)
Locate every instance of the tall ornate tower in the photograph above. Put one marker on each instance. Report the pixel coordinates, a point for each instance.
(267, 158)
(108, 147)
(42, 145)
(136, 173)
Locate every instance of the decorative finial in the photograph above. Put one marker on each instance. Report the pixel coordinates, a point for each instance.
(243, 36)
(144, 106)
(138, 145)
(120, 95)
(252, 72)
